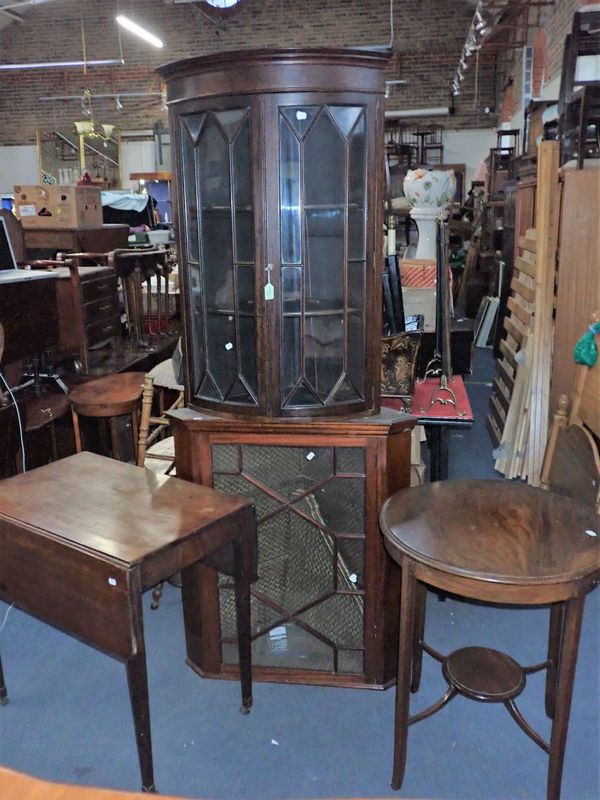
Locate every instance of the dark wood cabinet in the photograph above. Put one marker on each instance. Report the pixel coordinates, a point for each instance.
(278, 186)
(279, 174)
(325, 605)
(88, 309)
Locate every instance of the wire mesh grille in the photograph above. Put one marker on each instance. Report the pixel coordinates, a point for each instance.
(308, 600)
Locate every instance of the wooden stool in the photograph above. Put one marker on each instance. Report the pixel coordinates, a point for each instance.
(108, 397)
(497, 542)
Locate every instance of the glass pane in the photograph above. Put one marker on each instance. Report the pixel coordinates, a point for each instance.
(300, 117)
(213, 155)
(355, 366)
(239, 393)
(350, 661)
(324, 283)
(226, 458)
(289, 188)
(356, 285)
(245, 285)
(344, 392)
(339, 618)
(197, 359)
(295, 561)
(230, 120)
(188, 136)
(288, 646)
(357, 163)
(238, 485)
(339, 505)
(351, 557)
(221, 351)
(303, 396)
(208, 389)
(324, 164)
(242, 161)
(350, 460)
(261, 617)
(356, 234)
(291, 289)
(247, 346)
(345, 116)
(290, 353)
(324, 352)
(218, 259)
(288, 471)
(244, 236)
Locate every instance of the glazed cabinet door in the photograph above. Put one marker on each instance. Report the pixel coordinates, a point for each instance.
(320, 258)
(217, 174)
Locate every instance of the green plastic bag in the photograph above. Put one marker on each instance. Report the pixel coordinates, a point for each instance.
(586, 351)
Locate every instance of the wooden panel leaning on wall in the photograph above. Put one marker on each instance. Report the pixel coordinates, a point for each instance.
(578, 292)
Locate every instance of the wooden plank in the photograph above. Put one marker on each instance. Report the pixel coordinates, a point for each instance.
(578, 294)
(508, 353)
(517, 333)
(528, 244)
(497, 412)
(546, 225)
(500, 396)
(526, 266)
(519, 311)
(506, 375)
(524, 291)
(495, 434)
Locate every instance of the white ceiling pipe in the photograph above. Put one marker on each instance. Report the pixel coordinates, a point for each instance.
(439, 111)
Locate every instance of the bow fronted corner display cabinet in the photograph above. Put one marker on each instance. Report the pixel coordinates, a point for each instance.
(279, 199)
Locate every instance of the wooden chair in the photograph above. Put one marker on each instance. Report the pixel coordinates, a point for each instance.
(156, 453)
(139, 269)
(572, 461)
(153, 427)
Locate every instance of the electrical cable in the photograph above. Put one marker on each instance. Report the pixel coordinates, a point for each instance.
(19, 420)
(8, 610)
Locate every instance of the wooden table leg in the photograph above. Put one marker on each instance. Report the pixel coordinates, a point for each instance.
(418, 634)
(3, 692)
(241, 558)
(438, 437)
(569, 646)
(554, 639)
(403, 681)
(137, 679)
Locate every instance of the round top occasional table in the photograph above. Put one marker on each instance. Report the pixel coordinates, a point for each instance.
(497, 542)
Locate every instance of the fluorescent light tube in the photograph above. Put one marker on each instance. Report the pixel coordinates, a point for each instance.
(99, 62)
(133, 27)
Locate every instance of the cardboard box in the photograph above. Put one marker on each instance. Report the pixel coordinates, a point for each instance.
(58, 206)
(420, 301)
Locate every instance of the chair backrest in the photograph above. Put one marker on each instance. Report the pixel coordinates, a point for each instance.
(139, 268)
(572, 460)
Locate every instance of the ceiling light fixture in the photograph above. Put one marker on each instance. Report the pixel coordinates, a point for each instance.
(136, 29)
(87, 127)
(100, 62)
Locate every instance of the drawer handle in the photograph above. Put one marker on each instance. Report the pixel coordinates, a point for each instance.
(107, 328)
(105, 307)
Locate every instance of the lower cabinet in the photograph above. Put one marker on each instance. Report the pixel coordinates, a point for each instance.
(325, 605)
